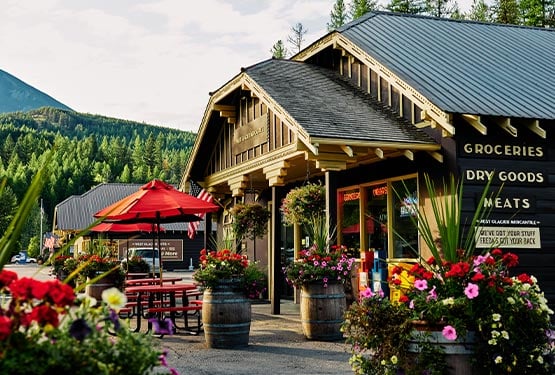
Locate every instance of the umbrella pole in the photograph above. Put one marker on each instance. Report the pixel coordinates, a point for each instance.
(159, 248)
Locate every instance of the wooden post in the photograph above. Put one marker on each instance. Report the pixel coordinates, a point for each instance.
(277, 274)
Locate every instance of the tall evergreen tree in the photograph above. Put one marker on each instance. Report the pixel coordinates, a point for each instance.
(538, 13)
(359, 8)
(296, 38)
(441, 8)
(479, 11)
(407, 6)
(278, 50)
(338, 15)
(507, 12)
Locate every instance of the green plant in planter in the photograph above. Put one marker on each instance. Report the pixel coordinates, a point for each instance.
(46, 329)
(250, 220)
(136, 264)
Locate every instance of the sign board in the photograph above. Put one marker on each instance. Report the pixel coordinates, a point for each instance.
(250, 135)
(172, 249)
(508, 237)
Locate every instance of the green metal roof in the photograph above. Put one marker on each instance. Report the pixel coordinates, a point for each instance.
(463, 66)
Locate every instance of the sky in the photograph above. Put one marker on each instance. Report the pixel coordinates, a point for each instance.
(151, 61)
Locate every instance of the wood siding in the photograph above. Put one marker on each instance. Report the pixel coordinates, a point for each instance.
(249, 109)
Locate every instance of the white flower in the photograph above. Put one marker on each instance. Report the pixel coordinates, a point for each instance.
(540, 359)
(114, 298)
(505, 335)
(492, 342)
(498, 359)
(496, 317)
(495, 334)
(394, 359)
(511, 300)
(448, 301)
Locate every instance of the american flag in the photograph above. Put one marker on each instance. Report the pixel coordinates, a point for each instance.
(197, 191)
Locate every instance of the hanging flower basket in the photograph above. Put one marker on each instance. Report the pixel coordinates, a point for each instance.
(250, 220)
(302, 204)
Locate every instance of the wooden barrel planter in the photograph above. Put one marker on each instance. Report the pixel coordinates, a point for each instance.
(226, 316)
(95, 289)
(458, 353)
(322, 310)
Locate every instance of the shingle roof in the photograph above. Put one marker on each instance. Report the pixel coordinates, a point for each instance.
(77, 211)
(464, 66)
(325, 105)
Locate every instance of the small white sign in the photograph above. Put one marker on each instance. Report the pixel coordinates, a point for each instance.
(508, 237)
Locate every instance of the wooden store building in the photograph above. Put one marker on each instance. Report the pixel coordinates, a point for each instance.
(377, 104)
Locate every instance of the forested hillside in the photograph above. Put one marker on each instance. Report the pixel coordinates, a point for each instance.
(88, 150)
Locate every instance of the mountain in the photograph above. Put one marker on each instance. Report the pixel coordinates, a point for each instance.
(16, 95)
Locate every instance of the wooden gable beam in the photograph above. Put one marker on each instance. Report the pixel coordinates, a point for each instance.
(476, 122)
(505, 124)
(534, 126)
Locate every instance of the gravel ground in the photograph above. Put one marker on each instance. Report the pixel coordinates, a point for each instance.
(276, 345)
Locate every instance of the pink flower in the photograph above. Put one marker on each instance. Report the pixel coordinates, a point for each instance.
(471, 290)
(432, 294)
(450, 333)
(421, 284)
(366, 293)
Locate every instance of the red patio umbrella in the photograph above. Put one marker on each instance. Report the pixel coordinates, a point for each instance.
(156, 202)
(125, 228)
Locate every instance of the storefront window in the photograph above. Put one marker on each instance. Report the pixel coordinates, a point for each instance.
(405, 206)
(376, 218)
(350, 220)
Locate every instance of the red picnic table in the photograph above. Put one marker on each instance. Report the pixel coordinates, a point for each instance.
(159, 302)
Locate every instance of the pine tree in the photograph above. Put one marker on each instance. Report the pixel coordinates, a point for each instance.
(479, 11)
(441, 8)
(338, 15)
(407, 6)
(507, 12)
(360, 7)
(279, 51)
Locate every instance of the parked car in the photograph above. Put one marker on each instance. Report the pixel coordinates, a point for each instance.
(153, 259)
(17, 259)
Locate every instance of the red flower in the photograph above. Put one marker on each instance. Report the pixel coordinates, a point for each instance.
(496, 252)
(525, 278)
(6, 277)
(510, 260)
(5, 327)
(478, 277)
(61, 294)
(403, 299)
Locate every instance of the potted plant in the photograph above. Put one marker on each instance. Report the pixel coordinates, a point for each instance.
(226, 278)
(250, 220)
(303, 203)
(99, 273)
(45, 329)
(459, 311)
(321, 276)
(136, 264)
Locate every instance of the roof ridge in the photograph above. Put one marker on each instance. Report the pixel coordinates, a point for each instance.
(372, 14)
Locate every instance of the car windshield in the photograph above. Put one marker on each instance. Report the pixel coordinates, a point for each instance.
(146, 253)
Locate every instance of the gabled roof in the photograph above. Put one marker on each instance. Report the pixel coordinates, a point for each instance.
(76, 212)
(327, 106)
(463, 66)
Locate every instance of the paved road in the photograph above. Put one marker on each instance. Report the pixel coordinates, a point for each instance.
(276, 344)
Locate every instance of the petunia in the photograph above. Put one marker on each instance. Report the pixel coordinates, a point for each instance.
(80, 329)
(162, 326)
(421, 284)
(449, 332)
(114, 298)
(366, 293)
(471, 291)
